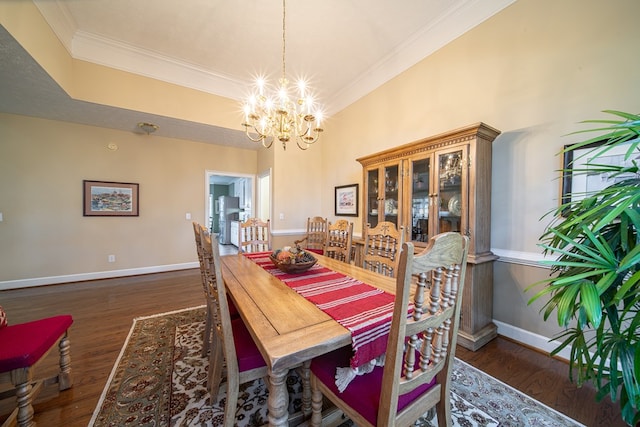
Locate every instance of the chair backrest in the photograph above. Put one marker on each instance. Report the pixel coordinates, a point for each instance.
(220, 305)
(208, 273)
(382, 246)
(339, 239)
(196, 231)
(254, 235)
(422, 346)
(316, 234)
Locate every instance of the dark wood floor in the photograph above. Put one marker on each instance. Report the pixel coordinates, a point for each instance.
(103, 312)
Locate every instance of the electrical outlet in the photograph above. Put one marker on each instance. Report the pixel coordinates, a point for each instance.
(111, 258)
(281, 216)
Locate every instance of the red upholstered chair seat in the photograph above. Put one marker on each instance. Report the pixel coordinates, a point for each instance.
(247, 352)
(363, 393)
(233, 311)
(22, 345)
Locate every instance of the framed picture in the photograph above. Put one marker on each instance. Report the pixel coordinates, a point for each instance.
(576, 185)
(104, 198)
(347, 200)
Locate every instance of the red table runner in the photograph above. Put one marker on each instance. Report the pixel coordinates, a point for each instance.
(364, 310)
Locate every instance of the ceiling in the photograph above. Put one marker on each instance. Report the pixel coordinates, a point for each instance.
(344, 48)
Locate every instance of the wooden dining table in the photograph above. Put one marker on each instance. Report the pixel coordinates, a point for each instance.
(288, 329)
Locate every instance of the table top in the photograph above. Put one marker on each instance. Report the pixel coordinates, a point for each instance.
(286, 327)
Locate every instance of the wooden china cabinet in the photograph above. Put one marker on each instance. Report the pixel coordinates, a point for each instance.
(442, 183)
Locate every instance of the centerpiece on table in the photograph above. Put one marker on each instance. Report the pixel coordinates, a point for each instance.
(293, 259)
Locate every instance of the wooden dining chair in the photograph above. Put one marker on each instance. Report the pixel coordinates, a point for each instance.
(22, 347)
(420, 349)
(339, 240)
(199, 231)
(254, 235)
(382, 246)
(237, 349)
(316, 236)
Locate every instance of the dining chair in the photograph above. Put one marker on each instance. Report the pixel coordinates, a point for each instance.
(382, 246)
(22, 347)
(254, 235)
(237, 349)
(339, 240)
(416, 375)
(316, 236)
(199, 231)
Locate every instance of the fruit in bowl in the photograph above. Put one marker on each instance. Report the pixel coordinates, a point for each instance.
(292, 259)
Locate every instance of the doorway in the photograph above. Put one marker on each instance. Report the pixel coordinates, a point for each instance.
(219, 184)
(263, 208)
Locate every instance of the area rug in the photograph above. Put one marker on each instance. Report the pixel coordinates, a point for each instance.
(159, 379)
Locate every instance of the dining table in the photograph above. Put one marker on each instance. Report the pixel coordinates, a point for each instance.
(288, 329)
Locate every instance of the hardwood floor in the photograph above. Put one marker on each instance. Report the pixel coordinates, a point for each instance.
(103, 312)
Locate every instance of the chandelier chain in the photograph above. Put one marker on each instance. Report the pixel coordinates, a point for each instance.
(284, 39)
(276, 115)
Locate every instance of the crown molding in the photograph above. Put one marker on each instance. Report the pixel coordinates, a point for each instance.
(457, 21)
(122, 56)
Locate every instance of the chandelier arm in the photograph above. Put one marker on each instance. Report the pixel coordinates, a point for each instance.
(260, 137)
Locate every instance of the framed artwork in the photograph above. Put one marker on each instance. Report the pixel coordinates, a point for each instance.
(347, 200)
(576, 185)
(105, 198)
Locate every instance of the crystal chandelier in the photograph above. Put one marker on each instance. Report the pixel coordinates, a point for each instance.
(275, 115)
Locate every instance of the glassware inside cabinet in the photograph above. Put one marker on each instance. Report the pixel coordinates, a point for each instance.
(450, 190)
(391, 194)
(420, 200)
(372, 198)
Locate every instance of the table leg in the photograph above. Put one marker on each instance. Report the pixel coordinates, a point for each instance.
(305, 374)
(278, 401)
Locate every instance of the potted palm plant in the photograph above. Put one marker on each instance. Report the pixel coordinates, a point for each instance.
(594, 286)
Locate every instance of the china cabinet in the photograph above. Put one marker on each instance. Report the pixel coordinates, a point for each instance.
(442, 183)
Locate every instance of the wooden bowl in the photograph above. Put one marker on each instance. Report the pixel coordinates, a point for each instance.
(298, 267)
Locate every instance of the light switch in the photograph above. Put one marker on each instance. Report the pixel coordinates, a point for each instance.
(1, 218)
(281, 216)
(187, 216)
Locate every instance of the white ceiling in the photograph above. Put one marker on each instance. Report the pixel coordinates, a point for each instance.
(345, 49)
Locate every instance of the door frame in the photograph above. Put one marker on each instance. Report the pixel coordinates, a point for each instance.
(207, 189)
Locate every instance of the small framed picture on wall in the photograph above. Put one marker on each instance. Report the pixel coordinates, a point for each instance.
(346, 203)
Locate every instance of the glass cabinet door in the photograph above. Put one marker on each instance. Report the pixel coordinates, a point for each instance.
(390, 203)
(450, 177)
(420, 197)
(373, 198)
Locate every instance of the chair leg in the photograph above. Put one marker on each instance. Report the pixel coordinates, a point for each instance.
(316, 404)
(21, 379)
(65, 379)
(216, 360)
(231, 406)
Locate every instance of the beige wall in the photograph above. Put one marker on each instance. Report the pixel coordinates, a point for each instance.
(533, 71)
(42, 165)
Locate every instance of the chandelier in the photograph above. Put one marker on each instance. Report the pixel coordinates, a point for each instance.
(273, 114)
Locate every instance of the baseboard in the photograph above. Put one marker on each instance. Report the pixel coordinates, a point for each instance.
(54, 280)
(539, 342)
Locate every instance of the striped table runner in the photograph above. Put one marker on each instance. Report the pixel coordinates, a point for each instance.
(364, 310)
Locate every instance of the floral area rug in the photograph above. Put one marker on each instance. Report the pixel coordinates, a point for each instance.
(159, 379)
